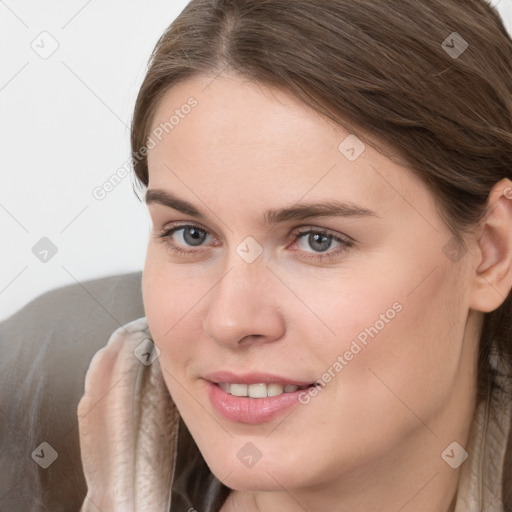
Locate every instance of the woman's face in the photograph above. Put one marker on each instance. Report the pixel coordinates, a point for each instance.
(300, 256)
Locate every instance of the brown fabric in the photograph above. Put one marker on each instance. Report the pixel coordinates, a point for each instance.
(45, 350)
(507, 476)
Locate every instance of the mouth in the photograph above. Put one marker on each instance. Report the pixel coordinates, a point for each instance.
(255, 398)
(260, 390)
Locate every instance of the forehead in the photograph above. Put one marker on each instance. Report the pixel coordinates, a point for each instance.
(241, 138)
(238, 115)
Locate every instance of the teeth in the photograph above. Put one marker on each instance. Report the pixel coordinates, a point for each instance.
(275, 389)
(225, 387)
(257, 390)
(239, 389)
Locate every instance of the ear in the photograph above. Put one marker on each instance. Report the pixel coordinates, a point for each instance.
(493, 260)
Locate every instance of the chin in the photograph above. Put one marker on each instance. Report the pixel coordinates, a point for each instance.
(255, 478)
(261, 473)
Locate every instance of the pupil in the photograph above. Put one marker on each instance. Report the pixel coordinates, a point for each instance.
(193, 236)
(324, 242)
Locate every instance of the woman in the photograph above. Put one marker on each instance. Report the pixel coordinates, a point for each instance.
(327, 282)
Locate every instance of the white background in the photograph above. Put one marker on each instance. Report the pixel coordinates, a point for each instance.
(64, 130)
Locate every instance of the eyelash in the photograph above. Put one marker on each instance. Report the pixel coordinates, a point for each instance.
(346, 243)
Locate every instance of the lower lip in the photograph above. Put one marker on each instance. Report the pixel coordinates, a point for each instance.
(251, 410)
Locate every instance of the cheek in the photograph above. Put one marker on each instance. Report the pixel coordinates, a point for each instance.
(399, 335)
(172, 303)
(165, 293)
(166, 301)
(163, 296)
(157, 300)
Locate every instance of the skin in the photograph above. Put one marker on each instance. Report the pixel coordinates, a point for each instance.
(372, 438)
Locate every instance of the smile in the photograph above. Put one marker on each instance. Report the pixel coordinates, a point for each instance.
(260, 390)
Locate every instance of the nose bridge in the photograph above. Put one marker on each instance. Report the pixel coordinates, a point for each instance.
(243, 304)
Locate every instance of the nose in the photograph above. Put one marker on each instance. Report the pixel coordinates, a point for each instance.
(244, 307)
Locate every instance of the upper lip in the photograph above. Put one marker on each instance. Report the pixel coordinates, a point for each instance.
(252, 378)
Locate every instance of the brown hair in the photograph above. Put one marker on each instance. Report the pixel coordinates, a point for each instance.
(385, 70)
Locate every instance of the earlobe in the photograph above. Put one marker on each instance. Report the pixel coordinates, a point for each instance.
(493, 271)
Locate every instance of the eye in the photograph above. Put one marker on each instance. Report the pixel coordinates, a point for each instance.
(191, 235)
(321, 241)
(178, 237)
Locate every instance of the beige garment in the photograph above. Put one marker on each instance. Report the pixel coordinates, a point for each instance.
(481, 479)
(129, 425)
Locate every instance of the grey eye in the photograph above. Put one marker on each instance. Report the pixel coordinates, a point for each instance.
(193, 236)
(319, 242)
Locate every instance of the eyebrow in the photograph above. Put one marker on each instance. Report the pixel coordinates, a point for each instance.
(273, 216)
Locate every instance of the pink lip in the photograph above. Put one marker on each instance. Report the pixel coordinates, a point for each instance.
(251, 410)
(252, 378)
